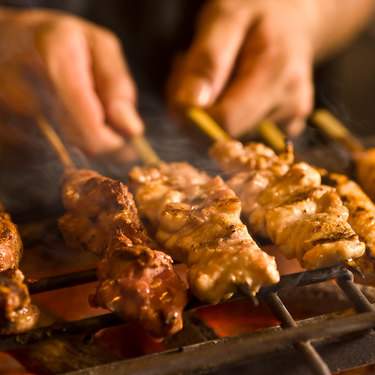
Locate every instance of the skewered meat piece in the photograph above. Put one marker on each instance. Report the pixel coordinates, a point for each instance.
(96, 207)
(136, 282)
(197, 219)
(232, 157)
(365, 171)
(361, 218)
(17, 314)
(289, 205)
(10, 243)
(144, 281)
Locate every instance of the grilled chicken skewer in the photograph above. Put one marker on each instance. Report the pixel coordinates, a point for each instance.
(285, 202)
(361, 208)
(135, 281)
(288, 204)
(17, 314)
(361, 218)
(197, 220)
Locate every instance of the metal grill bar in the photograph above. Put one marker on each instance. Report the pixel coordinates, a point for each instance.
(61, 281)
(360, 302)
(295, 335)
(309, 353)
(291, 280)
(224, 354)
(60, 329)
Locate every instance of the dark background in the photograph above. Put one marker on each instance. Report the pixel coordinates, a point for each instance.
(152, 32)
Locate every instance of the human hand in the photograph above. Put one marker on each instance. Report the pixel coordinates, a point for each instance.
(78, 67)
(249, 60)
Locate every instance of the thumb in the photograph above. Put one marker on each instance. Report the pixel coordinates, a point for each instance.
(209, 62)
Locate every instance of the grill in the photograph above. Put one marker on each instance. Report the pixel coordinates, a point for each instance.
(319, 345)
(322, 344)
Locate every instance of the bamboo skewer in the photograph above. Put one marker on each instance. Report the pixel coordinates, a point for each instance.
(275, 138)
(330, 125)
(206, 123)
(267, 129)
(140, 143)
(145, 150)
(50, 133)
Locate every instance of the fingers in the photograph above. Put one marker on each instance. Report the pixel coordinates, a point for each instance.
(254, 85)
(248, 63)
(114, 84)
(209, 62)
(297, 103)
(76, 87)
(269, 82)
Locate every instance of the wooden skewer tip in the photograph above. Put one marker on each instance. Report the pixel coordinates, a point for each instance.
(206, 123)
(145, 150)
(54, 139)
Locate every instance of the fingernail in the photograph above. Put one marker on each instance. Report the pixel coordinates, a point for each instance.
(124, 116)
(194, 91)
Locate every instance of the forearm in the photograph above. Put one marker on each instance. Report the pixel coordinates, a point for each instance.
(336, 22)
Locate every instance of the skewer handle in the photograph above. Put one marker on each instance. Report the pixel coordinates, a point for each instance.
(50, 133)
(145, 150)
(206, 123)
(270, 133)
(330, 125)
(267, 129)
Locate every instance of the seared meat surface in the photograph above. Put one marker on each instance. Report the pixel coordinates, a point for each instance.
(197, 220)
(136, 282)
(17, 314)
(288, 204)
(232, 157)
(361, 218)
(145, 282)
(10, 243)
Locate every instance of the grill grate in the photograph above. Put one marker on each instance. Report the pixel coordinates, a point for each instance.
(216, 355)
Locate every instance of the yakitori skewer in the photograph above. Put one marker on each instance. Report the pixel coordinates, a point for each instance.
(196, 218)
(361, 208)
(224, 290)
(286, 202)
(135, 281)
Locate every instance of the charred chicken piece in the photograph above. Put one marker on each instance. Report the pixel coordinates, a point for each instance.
(141, 286)
(17, 314)
(233, 157)
(10, 243)
(289, 205)
(197, 220)
(136, 282)
(96, 207)
(361, 218)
